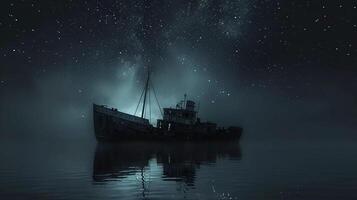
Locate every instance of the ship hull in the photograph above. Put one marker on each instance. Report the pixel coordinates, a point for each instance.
(110, 127)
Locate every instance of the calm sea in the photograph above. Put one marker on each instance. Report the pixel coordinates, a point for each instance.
(223, 170)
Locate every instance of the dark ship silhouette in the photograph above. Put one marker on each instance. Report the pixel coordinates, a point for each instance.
(180, 123)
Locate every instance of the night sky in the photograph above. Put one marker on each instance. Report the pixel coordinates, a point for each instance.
(281, 69)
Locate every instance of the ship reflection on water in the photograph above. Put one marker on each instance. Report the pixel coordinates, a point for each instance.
(175, 162)
(210, 170)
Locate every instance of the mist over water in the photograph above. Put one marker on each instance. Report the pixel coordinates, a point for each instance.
(60, 104)
(289, 150)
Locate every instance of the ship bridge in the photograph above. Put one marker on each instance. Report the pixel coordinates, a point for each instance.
(183, 114)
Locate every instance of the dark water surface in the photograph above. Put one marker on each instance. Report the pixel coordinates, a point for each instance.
(250, 170)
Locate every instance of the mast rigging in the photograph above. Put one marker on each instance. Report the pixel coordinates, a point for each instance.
(146, 89)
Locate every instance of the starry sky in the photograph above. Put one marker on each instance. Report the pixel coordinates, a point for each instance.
(278, 68)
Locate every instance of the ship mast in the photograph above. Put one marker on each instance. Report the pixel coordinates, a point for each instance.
(145, 94)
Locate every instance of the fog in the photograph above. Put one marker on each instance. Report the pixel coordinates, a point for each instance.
(58, 103)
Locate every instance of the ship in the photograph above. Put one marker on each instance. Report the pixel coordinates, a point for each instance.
(178, 123)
